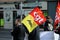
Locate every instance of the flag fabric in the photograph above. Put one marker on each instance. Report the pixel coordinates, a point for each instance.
(38, 16)
(57, 17)
(29, 23)
(34, 19)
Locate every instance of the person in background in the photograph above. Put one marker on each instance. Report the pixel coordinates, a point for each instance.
(18, 32)
(48, 24)
(57, 30)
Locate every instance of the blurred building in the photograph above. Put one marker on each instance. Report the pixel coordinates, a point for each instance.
(9, 9)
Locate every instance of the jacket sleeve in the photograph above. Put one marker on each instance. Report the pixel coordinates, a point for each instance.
(15, 31)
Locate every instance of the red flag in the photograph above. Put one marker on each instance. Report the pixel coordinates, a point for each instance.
(38, 16)
(34, 19)
(57, 17)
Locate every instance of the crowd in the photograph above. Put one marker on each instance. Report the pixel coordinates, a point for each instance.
(19, 29)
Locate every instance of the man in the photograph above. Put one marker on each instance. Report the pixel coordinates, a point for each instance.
(18, 31)
(48, 24)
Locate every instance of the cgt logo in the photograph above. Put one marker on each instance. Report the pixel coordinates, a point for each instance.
(37, 17)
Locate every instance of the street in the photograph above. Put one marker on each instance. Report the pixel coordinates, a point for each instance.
(5, 35)
(48, 35)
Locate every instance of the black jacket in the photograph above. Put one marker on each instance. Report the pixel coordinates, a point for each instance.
(58, 31)
(18, 33)
(46, 26)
